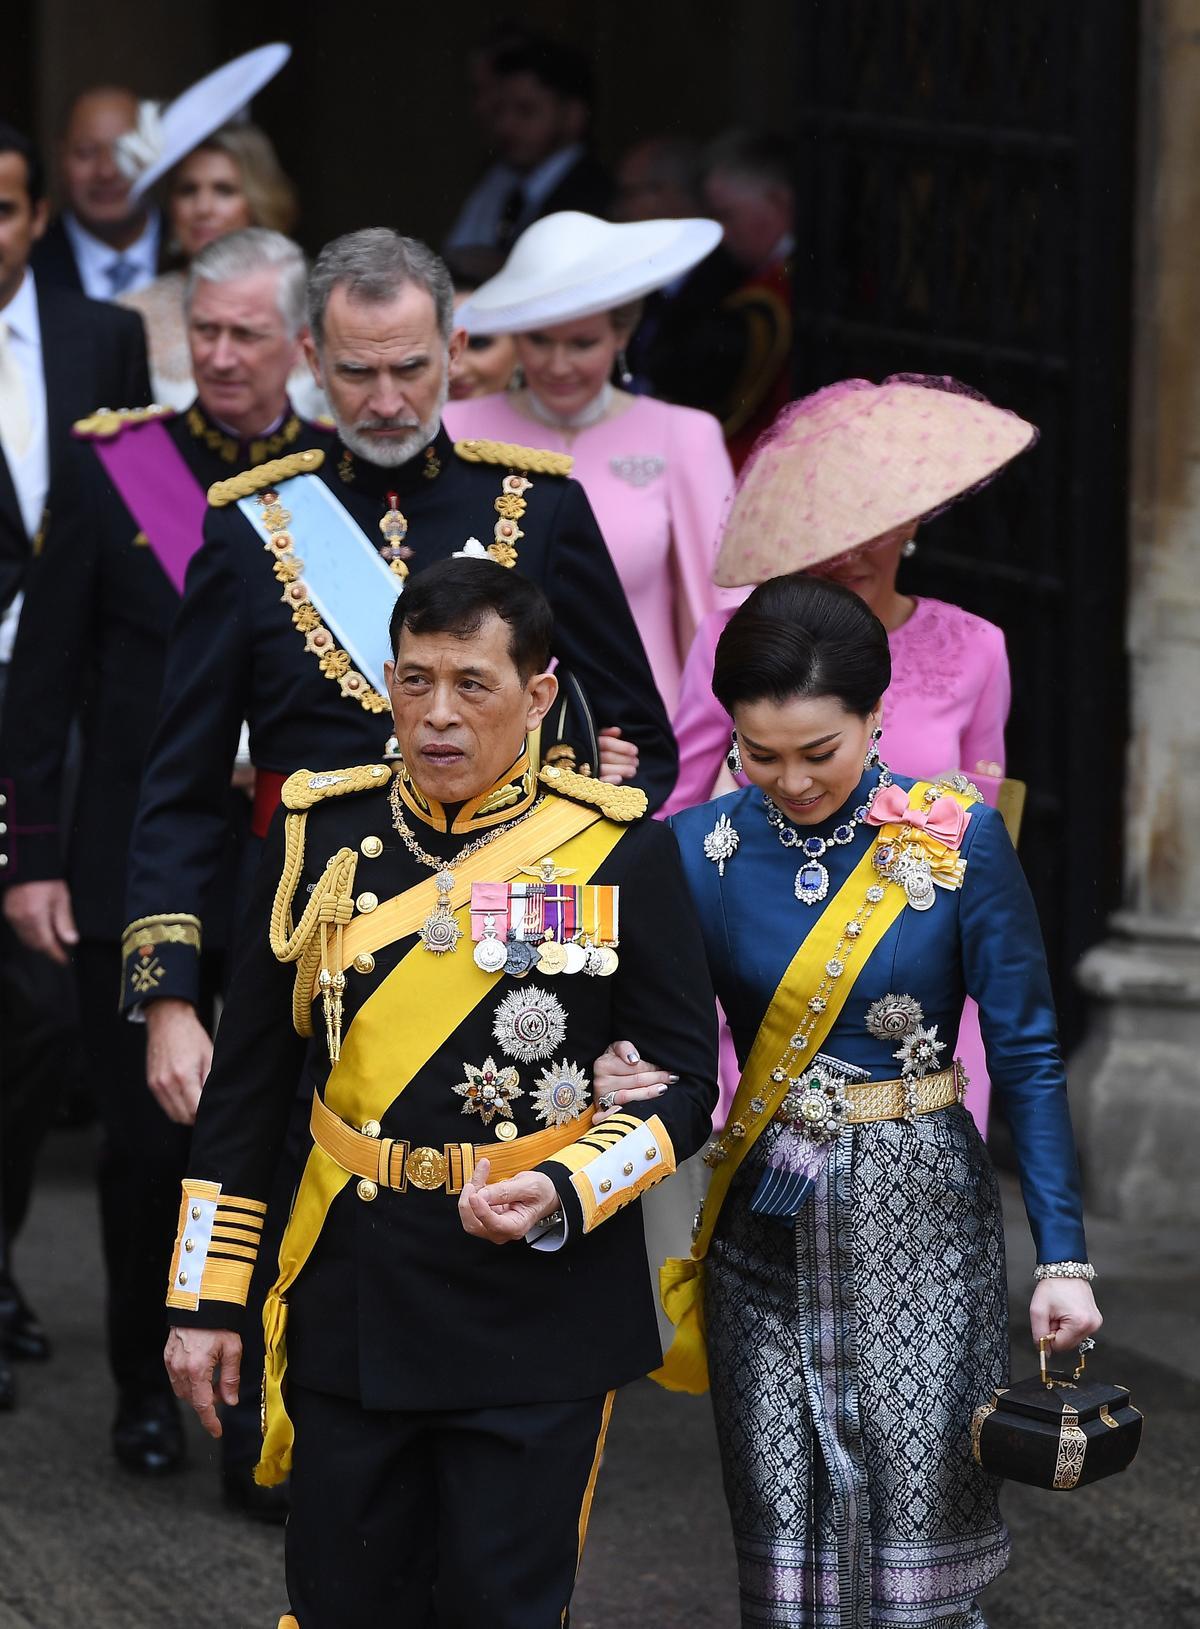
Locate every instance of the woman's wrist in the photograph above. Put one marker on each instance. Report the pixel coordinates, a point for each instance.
(1064, 1269)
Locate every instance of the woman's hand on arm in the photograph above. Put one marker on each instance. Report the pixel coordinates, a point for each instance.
(621, 1075)
(1066, 1310)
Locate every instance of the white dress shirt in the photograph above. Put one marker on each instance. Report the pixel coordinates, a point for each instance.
(96, 260)
(30, 470)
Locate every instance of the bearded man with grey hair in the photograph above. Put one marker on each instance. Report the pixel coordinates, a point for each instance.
(100, 602)
(285, 613)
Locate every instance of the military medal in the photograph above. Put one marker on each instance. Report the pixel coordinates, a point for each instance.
(551, 956)
(530, 1024)
(562, 1094)
(519, 958)
(576, 957)
(491, 952)
(439, 931)
(489, 1090)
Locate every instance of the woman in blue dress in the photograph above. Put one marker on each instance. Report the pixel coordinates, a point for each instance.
(845, 1297)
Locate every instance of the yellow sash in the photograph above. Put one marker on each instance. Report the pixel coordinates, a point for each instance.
(413, 1012)
(681, 1280)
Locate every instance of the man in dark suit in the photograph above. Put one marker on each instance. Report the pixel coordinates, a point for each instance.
(60, 357)
(99, 245)
(539, 124)
(99, 607)
(685, 348)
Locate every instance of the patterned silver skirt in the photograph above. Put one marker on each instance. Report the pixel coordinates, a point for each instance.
(847, 1352)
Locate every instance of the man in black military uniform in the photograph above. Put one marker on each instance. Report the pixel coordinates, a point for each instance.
(100, 602)
(442, 951)
(281, 622)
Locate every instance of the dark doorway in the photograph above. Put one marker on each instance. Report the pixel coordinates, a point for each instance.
(966, 208)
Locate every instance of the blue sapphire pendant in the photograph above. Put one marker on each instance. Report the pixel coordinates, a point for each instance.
(812, 883)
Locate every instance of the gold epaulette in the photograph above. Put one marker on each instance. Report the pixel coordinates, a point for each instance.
(304, 788)
(107, 422)
(538, 460)
(262, 476)
(623, 803)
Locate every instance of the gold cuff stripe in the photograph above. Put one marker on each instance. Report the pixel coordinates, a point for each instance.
(235, 1201)
(236, 1235)
(598, 1208)
(238, 1218)
(226, 1281)
(227, 1247)
(179, 929)
(597, 1141)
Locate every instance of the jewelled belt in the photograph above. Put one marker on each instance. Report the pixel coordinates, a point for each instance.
(392, 1162)
(820, 1103)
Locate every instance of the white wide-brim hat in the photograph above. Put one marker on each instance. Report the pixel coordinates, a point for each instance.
(164, 136)
(570, 265)
(857, 460)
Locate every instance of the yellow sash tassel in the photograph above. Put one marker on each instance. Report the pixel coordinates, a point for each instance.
(404, 1021)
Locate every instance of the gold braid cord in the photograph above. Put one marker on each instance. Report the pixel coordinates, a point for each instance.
(537, 460)
(309, 942)
(108, 422)
(304, 788)
(623, 803)
(263, 476)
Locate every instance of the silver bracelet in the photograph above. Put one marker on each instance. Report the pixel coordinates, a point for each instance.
(1064, 1269)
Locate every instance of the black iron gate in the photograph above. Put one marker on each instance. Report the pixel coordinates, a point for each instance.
(965, 207)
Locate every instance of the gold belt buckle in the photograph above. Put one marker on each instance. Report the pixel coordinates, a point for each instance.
(426, 1168)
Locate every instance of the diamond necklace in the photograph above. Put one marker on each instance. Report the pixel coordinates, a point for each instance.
(812, 879)
(439, 931)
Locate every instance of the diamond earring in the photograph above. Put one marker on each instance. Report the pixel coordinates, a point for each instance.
(623, 372)
(872, 757)
(733, 758)
(909, 549)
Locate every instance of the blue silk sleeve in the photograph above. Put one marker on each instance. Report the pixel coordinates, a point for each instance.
(1004, 966)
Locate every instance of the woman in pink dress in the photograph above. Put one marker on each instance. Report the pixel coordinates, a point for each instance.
(657, 476)
(838, 487)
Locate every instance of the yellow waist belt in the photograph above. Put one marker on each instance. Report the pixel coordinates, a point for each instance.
(391, 1162)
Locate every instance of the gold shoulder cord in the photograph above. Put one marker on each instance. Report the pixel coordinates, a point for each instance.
(623, 803)
(108, 422)
(330, 905)
(263, 476)
(537, 460)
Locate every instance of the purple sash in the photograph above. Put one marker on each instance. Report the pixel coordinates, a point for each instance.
(160, 492)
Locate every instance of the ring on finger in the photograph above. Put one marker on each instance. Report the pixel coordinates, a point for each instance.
(608, 1101)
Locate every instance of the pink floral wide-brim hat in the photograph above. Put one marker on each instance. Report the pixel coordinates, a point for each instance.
(856, 460)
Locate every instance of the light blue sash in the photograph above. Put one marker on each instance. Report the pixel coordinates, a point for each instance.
(347, 579)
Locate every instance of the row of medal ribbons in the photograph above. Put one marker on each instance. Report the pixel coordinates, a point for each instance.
(555, 927)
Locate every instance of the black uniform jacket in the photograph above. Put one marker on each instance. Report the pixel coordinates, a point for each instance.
(397, 1306)
(235, 654)
(92, 643)
(93, 355)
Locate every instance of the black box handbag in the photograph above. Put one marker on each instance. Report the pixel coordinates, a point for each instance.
(1056, 1430)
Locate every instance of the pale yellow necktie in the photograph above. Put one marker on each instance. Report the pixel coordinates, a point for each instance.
(14, 402)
